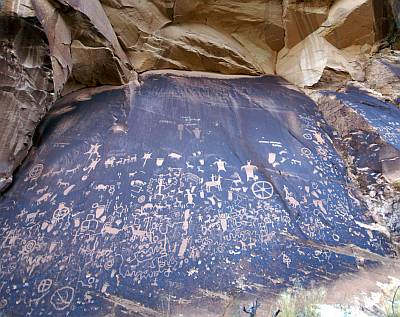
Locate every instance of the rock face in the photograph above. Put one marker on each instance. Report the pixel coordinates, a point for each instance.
(185, 188)
(154, 193)
(94, 43)
(25, 90)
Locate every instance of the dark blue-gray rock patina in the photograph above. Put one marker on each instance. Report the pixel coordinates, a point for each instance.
(194, 187)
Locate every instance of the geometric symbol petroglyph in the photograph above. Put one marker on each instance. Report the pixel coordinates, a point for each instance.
(61, 212)
(62, 298)
(44, 285)
(36, 171)
(3, 303)
(28, 247)
(262, 189)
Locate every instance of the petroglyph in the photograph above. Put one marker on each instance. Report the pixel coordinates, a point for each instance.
(187, 205)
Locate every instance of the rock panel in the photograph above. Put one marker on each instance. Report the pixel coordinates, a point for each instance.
(188, 190)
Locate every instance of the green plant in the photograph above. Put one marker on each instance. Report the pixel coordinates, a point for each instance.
(301, 302)
(392, 309)
(396, 185)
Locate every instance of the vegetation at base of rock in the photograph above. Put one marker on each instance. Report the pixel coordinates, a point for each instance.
(300, 302)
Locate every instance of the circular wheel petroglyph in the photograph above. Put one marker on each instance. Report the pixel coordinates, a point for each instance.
(62, 298)
(44, 285)
(36, 171)
(262, 189)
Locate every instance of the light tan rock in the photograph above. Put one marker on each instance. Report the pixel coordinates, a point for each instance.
(305, 63)
(301, 18)
(350, 22)
(231, 37)
(343, 43)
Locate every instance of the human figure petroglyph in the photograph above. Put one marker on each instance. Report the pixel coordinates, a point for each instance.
(215, 182)
(220, 165)
(190, 197)
(318, 138)
(91, 166)
(186, 218)
(197, 133)
(146, 157)
(250, 169)
(93, 151)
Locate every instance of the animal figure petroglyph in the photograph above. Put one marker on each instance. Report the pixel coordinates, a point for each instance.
(62, 184)
(289, 197)
(214, 183)
(101, 187)
(43, 198)
(109, 162)
(42, 190)
(175, 156)
(73, 170)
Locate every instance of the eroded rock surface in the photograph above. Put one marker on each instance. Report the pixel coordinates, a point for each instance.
(178, 192)
(107, 42)
(369, 131)
(25, 90)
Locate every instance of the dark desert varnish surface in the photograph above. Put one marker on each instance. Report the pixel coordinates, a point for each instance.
(197, 186)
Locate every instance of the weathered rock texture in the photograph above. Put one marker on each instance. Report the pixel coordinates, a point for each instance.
(25, 89)
(187, 193)
(106, 42)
